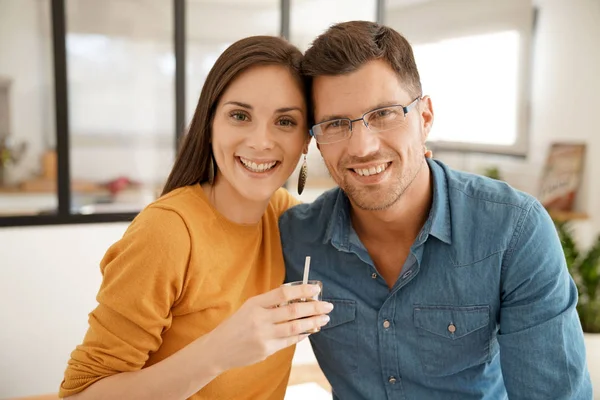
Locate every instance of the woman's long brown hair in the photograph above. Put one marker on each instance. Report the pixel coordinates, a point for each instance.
(192, 164)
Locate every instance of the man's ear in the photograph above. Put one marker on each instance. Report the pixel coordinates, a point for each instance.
(426, 110)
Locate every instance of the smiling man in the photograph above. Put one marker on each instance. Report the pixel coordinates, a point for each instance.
(445, 284)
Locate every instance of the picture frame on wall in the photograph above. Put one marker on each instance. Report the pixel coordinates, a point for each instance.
(561, 177)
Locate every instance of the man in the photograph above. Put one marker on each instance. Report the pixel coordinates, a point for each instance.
(446, 285)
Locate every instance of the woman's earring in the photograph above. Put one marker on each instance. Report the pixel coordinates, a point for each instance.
(302, 176)
(211, 169)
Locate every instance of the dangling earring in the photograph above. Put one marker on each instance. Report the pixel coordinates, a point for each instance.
(302, 176)
(211, 169)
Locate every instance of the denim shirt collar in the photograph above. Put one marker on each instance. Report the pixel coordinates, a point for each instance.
(340, 231)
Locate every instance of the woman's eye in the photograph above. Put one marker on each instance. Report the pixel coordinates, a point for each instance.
(239, 116)
(286, 122)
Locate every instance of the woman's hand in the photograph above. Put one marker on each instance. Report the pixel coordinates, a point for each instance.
(266, 324)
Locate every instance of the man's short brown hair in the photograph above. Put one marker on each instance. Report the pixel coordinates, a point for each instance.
(347, 46)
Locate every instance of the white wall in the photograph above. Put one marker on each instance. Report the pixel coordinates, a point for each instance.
(49, 277)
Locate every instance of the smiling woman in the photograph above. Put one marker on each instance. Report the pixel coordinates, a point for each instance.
(187, 303)
(259, 132)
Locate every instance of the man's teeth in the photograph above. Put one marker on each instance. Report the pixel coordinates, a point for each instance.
(254, 167)
(372, 170)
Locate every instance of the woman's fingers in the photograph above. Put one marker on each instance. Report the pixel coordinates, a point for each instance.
(300, 326)
(285, 294)
(290, 340)
(299, 309)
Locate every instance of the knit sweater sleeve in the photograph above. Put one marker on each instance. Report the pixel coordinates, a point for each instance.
(143, 277)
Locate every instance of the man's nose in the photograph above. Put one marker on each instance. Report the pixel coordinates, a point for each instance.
(363, 141)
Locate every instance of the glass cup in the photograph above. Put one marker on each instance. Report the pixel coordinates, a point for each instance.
(316, 297)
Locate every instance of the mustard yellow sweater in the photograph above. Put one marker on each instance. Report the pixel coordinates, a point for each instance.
(181, 269)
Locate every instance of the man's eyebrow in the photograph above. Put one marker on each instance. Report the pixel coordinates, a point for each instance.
(339, 116)
(330, 117)
(239, 104)
(384, 104)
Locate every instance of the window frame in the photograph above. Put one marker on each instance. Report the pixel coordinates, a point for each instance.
(64, 214)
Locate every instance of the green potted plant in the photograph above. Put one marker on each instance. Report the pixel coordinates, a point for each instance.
(492, 172)
(584, 267)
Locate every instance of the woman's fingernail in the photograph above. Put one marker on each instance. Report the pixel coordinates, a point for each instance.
(328, 306)
(324, 319)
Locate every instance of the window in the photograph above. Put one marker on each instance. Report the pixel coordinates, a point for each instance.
(27, 127)
(473, 58)
(94, 95)
(482, 87)
(206, 37)
(121, 95)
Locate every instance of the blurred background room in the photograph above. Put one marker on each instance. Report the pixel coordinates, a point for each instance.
(95, 94)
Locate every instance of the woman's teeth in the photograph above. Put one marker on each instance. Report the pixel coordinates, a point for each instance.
(372, 170)
(254, 167)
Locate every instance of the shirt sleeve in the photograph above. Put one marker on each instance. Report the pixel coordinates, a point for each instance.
(542, 351)
(283, 200)
(143, 276)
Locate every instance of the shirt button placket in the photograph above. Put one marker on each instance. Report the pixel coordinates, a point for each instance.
(388, 351)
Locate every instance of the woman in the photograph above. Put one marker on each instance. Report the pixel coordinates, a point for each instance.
(188, 305)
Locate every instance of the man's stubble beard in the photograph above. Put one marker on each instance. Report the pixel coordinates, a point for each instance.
(380, 197)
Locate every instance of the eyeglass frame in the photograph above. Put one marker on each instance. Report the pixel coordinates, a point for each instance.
(405, 109)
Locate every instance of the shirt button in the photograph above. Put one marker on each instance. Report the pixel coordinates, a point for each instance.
(374, 275)
(392, 380)
(451, 328)
(386, 324)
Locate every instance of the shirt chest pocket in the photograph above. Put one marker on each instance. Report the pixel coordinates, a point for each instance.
(337, 342)
(452, 339)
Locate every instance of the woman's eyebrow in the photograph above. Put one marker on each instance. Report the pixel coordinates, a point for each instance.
(278, 111)
(239, 104)
(287, 109)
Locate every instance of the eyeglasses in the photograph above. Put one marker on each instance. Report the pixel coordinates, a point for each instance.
(377, 120)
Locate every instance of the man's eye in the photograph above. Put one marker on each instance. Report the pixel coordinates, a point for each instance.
(386, 112)
(333, 124)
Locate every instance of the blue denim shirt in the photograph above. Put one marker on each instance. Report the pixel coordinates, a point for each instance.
(484, 307)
